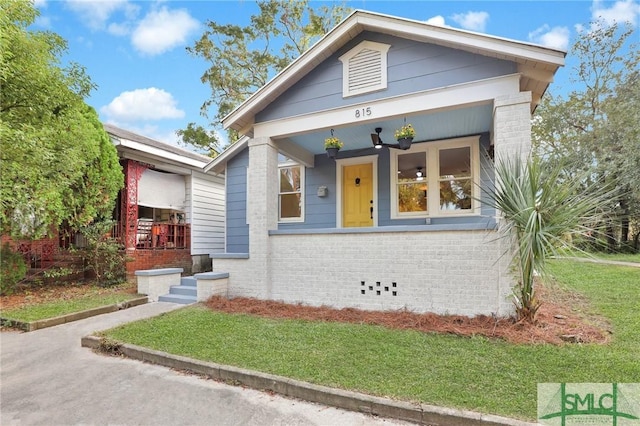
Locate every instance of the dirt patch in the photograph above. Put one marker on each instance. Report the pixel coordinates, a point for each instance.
(556, 322)
(33, 295)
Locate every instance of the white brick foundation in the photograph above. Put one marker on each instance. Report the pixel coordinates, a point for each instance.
(455, 272)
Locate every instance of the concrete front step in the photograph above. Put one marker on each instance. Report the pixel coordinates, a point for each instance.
(185, 293)
(166, 285)
(188, 282)
(177, 298)
(185, 290)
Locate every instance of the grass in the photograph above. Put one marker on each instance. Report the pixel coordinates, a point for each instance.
(476, 373)
(620, 257)
(40, 311)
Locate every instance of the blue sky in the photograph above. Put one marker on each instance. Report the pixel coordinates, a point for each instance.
(135, 51)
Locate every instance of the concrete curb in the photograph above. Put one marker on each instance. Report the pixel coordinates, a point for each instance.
(383, 407)
(63, 319)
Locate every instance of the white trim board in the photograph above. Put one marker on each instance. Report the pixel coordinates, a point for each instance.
(367, 159)
(481, 91)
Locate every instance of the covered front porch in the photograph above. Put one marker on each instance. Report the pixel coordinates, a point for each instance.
(151, 220)
(427, 256)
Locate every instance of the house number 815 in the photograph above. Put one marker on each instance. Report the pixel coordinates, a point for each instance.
(363, 112)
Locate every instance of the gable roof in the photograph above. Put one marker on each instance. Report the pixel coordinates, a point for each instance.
(136, 142)
(218, 163)
(536, 63)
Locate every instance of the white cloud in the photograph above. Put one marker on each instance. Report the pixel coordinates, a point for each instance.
(40, 3)
(162, 30)
(95, 14)
(43, 22)
(474, 21)
(556, 37)
(436, 20)
(121, 29)
(142, 104)
(621, 11)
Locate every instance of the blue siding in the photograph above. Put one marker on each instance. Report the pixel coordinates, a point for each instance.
(412, 67)
(236, 204)
(320, 212)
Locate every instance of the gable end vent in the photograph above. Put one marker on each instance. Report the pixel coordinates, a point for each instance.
(364, 68)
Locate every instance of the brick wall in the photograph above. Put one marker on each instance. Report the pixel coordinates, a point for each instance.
(512, 125)
(155, 259)
(42, 249)
(455, 272)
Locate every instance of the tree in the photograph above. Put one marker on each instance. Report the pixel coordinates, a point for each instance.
(541, 209)
(58, 164)
(595, 127)
(201, 138)
(623, 162)
(243, 59)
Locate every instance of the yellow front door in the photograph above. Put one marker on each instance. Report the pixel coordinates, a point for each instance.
(357, 195)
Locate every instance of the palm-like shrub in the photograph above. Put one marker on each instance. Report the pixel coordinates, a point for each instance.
(540, 208)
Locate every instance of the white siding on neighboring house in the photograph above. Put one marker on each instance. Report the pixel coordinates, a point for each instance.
(206, 214)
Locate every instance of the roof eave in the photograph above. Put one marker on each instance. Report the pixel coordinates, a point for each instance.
(217, 165)
(156, 152)
(242, 118)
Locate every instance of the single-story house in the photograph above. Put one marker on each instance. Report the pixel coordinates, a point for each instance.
(380, 226)
(170, 213)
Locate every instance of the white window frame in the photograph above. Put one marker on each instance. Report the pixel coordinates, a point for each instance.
(432, 176)
(346, 59)
(302, 193)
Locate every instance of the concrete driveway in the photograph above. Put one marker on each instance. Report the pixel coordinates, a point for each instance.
(47, 378)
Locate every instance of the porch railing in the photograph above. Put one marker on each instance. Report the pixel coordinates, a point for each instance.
(159, 235)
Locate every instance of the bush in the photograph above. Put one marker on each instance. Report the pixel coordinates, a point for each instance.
(103, 255)
(12, 269)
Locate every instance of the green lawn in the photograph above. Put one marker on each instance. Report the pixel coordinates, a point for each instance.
(620, 257)
(626, 257)
(476, 373)
(57, 308)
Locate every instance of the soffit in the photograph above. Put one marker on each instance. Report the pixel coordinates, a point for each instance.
(529, 57)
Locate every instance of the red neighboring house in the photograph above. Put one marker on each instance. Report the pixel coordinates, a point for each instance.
(170, 213)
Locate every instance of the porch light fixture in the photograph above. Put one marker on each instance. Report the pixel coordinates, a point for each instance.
(377, 141)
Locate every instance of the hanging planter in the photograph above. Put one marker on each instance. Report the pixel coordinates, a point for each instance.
(405, 135)
(332, 152)
(332, 145)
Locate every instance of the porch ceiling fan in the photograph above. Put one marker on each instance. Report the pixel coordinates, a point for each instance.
(377, 140)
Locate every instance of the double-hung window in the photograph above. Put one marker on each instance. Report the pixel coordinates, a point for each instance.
(291, 194)
(435, 179)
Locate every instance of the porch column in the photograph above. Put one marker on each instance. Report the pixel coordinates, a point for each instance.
(512, 125)
(511, 137)
(262, 209)
(129, 203)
